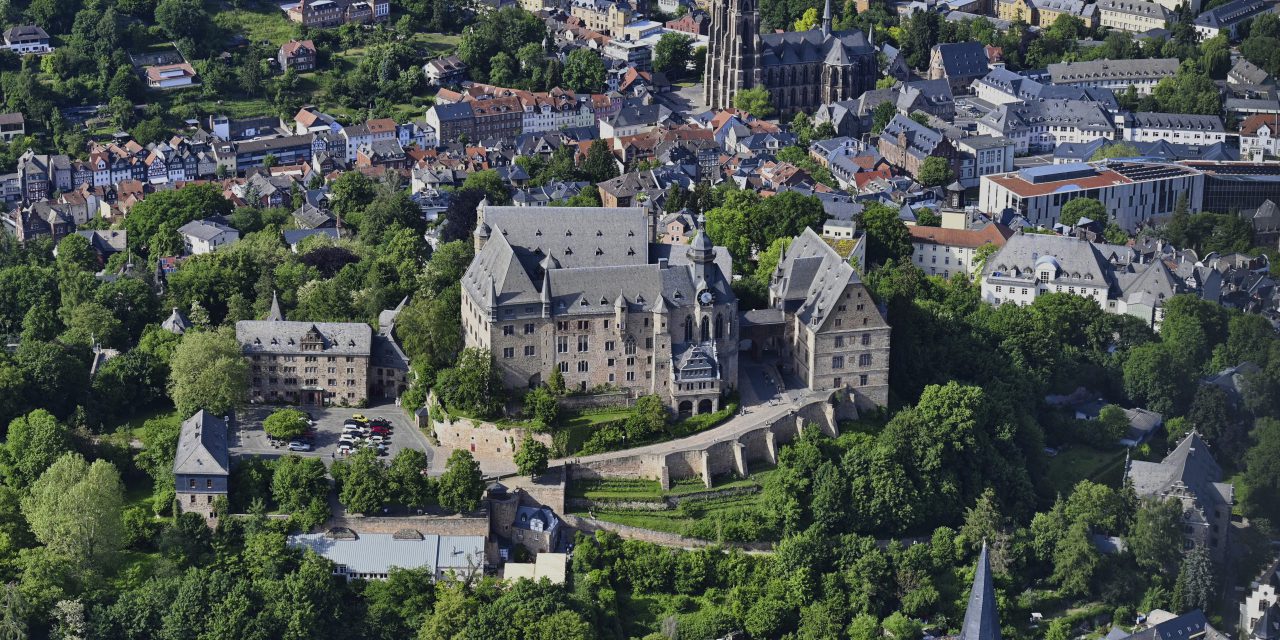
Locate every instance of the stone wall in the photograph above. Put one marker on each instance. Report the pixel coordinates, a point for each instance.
(486, 441)
(439, 525)
(598, 400)
(589, 526)
(735, 453)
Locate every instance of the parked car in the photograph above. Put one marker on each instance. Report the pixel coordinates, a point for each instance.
(345, 448)
(359, 417)
(352, 428)
(382, 431)
(380, 422)
(349, 437)
(377, 439)
(298, 445)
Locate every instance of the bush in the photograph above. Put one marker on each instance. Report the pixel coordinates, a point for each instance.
(286, 424)
(140, 527)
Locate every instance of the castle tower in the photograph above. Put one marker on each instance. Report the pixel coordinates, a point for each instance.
(733, 55)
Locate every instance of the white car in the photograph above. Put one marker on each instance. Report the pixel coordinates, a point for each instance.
(377, 439)
(345, 448)
(363, 431)
(349, 437)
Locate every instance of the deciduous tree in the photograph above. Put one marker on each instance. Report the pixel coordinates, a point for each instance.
(208, 372)
(461, 485)
(531, 459)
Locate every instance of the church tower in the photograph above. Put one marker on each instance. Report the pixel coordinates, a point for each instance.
(733, 55)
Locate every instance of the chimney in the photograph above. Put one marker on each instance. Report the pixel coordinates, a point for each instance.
(662, 263)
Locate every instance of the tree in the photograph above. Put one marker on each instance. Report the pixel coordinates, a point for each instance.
(881, 115)
(584, 70)
(648, 417)
(208, 372)
(531, 459)
(461, 485)
(556, 382)
(541, 404)
(1078, 208)
(410, 484)
(183, 19)
(808, 20)
(1155, 377)
(1261, 477)
(1117, 150)
(754, 101)
(1074, 560)
(1196, 585)
(488, 181)
(33, 443)
(298, 481)
(351, 193)
(362, 482)
(1114, 423)
(1156, 539)
(75, 254)
(901, 627)
(74, 509)
(472, 385)
(887, 236)
(935, 172)
(672, 54)
(600, 164)
(286, 424)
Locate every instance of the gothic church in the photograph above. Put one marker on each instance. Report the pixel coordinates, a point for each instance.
(801, 69)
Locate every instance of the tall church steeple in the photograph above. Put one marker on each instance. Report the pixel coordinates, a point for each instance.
(733, 51)
(981, 618)
(826, 19)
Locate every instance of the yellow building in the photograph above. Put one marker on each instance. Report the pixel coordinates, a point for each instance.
(1013, 10)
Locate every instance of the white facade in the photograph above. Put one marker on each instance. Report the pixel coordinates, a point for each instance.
(1174, 128)
(982, 156)
(546, 117)
(1266, 139)
(202, 237)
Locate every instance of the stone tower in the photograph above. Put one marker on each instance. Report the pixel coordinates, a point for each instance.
(733, 55)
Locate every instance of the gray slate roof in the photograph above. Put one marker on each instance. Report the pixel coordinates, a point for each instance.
(286, 337)
(964, 59)
(374, 553)
(1183, 121)
(796, 47)
(1073, 258)
(982, 616)
(202, 446)
(811, 278)
(176, 323)
(1192, 624)
(1112, 70)
(1189, 467)
(204, 229)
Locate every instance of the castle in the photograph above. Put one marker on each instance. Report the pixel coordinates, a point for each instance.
(802, 70)
(587, 292)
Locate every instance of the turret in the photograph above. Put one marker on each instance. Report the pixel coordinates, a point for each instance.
(493, 301)
(826, 19)
(620, 312)
(546, 293)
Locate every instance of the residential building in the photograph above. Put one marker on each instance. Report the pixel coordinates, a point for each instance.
(1260, 133)
(824, 324)
(1134, 192)
(27, 38)
(1134, 16)
(12, 125)
(1260, 611)
(1190, 475)
(205, 236)
(983, 156)
(106, 242)
(445, 71)
(1116, 75)
(933, 97)
(1161, 624)
(801, 70)
(1227, 18)
(609, 17)
(320, 14)
(1030, 265)
(632, 120)
(630, 53)
(1245, 73)
(372, 556)
(170, 76)
(40, 175)
(299, 55)
(177, 323)
(960, 63)
(939, 251)
(692, 23)
(452, 121)
(1042, 125)
(201, 464)
(906, 144)
(1178, 128)
(584, 291)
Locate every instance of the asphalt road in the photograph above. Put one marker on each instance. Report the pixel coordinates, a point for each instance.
(248, 438)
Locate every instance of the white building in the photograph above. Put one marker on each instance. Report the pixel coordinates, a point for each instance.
(371, 556)
(170, 76)
(205, 236)
(1133, 192)
(1260, 611)
(1260, 133)
(1228, 17)
(1042, 125)
(943, 252)
(1030, 265)
(25, 39)
(983, 156)
(1173, 127)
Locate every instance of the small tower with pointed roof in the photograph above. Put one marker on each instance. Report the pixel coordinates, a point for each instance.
(982, 617)
(275, 314)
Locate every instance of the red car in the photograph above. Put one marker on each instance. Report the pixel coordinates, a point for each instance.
(381, 431)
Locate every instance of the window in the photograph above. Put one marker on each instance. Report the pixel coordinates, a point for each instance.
(866, 339)
(529, 350)
(562, 325)
(564, 367)
(508, 330)
(837, 362)
(608, 345)
(582, 344)
(839, 341)
(192, 483)
(528, 328)
(562, 344)
(508, 352)
(648, 343)
(631, 361)
(837, 381)
(584, 325)
(631, 376)
(862, 380)
(864, 360)
(611, 362)
(582, 366)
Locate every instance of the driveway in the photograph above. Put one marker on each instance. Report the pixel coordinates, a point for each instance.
(248, 438)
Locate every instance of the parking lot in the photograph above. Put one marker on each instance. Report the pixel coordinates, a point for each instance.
(248, 438)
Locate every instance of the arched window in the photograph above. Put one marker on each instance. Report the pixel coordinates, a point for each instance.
(706, 328)
(688, 328)
(719, 326)
(629, 346)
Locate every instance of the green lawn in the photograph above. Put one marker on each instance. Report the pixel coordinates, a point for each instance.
(263, 22)
(675, 521)
(133, 427)
(1085, 463)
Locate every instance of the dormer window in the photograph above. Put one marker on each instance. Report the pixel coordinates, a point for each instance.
(599, 251)
(568, 251)
(599, 233)
(568, 232)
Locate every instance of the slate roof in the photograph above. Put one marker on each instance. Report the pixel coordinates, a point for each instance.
(1231, 13)
(1140, 8)
(920, 140)
(1245, 72)
(204, 229)
(811, 277)
(1266, 219)
(1181, 121)
(1151, 286)
(377, 553)
(1189, 467)
(1112, 70)
(202, 446)
(1086, 116)
(798, 47)
(982, 616)
(964, 59)
(286, 337)
(1189, 626)
(294, 236)
(308, 216)
(1074, 259)
(176, 323)
(1268, 625)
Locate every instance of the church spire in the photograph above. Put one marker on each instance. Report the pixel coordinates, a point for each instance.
(275, 315)
(981, 618)
(826, 19)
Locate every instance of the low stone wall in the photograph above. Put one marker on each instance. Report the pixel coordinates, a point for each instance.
(439, 525)
(732, 455)
(597, 400)
(486, 441)
(590, 525)
(667, 503)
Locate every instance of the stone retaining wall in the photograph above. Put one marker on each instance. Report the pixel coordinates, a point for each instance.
(589, 526)
(732, 455)
(439, 525)
(486, 441)
(597, 400)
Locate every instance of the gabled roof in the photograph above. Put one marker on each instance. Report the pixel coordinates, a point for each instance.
(202, 446)
(176, 323)
(963, 59)
(1190, 467)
